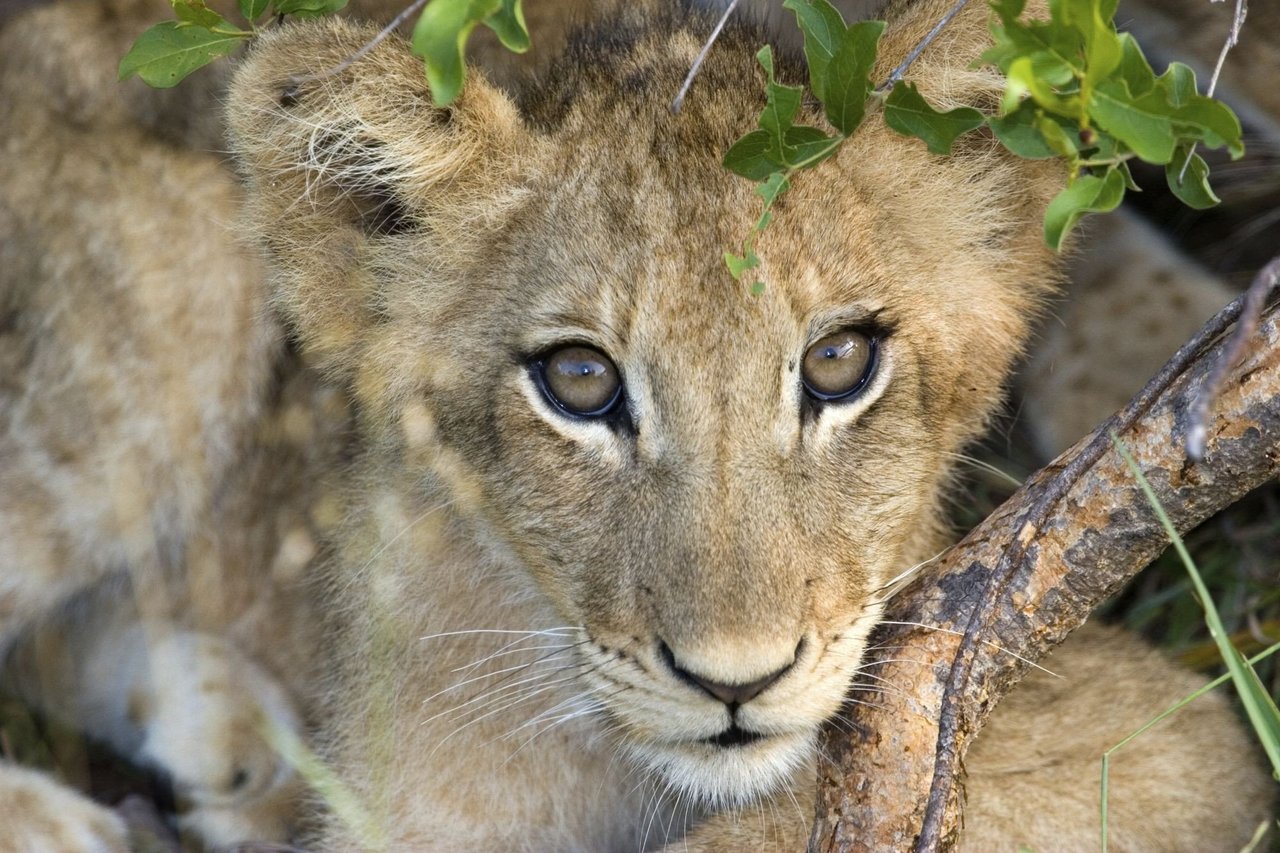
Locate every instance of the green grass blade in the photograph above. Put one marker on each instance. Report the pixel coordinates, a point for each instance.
(341, 800)
(1172, 709)
(1258, 705)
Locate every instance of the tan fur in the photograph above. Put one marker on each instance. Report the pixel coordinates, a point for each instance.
(144, 442)
(728, 528)
(37, 813)
(133, 352)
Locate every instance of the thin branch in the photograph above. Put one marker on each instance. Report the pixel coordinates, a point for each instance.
(1255, 298)
(294, 82)
(1233, 37)
(893, 77)
(702, 57)
(898, 72)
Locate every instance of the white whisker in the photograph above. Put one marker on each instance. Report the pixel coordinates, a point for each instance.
(547, 631)
(995, 646)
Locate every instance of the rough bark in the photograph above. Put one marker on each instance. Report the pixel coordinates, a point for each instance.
(874, 785)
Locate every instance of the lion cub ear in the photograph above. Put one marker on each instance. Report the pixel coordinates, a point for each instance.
(347, 170)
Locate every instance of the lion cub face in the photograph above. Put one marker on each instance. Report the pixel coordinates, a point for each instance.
(531, 304)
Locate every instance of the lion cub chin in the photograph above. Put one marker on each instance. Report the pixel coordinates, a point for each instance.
(616, 529)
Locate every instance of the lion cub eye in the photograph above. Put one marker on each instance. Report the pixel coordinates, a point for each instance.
(580, 381)
(839, 365)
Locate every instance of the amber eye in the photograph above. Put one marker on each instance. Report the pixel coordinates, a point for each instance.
(579, 381)
(839, 365)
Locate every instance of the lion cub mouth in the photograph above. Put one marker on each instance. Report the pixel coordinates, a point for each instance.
(734, 736)
(722, 729)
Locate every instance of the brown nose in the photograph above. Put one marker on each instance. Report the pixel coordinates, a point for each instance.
(732, 695)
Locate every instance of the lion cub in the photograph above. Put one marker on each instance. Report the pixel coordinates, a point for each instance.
(615, 524)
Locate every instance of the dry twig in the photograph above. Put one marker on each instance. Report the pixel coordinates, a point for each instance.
(291, 89)
(678, 102)
(1255, 298)
(1233, 37)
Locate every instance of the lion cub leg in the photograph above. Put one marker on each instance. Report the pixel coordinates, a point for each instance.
(186, 703)
(1193, 783)
(37, 813)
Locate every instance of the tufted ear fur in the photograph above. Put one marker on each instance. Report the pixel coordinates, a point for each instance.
(342, 168)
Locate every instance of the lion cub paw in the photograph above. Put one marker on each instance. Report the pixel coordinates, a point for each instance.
(38, 814)
(194, 707)
(207, 715)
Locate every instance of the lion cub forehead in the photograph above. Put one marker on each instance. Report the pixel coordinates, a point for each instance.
(640, 299)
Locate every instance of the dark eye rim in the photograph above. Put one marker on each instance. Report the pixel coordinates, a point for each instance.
(868, 374)
(538, 373)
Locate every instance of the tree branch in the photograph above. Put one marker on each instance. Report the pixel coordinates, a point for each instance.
(1026, 577)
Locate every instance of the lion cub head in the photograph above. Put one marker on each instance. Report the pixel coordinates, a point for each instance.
(527, 296)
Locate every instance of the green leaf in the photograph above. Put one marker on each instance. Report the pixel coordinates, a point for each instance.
(508, 23)
(1018, 132)
(252, 10)
(1193, 186)
(1056, 136)
(772, 187)
(739, 264)
(1054, 51)
(808, 146)
(440, 38)
(757, 288)
(1088, 194)
(823, 29)
(907, 112)
(1134, 68)
(165, 54)
(1103, 50)
(1213, 123)
(1008, 11)
(1197, 116)
(849, 75)
(1023, 76)
(1178, 83)
(781, 105)
(306, 9)
(195, 12)
(1129, 183)
(1144, 123)
(747, 157)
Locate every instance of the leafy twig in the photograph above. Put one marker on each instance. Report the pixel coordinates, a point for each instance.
(1253, 301)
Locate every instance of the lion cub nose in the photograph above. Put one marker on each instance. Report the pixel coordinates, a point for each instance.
(732, 695)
